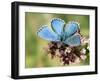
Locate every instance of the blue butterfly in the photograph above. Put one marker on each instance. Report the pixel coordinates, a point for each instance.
(61, 32)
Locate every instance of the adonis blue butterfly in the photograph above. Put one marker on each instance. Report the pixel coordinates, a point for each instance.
(61, 32)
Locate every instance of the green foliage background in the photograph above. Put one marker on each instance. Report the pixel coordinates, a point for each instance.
(34, 53)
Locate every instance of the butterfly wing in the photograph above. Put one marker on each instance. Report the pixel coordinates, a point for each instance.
(73, 40)
(57, 25)
(45, 33)
(71, 28)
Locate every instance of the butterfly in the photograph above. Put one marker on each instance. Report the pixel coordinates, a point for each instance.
(61, 32)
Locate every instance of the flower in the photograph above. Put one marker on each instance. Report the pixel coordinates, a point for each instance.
(83, 51)
(68, 50)
(83, 57)
(67, 55)
(84, 40)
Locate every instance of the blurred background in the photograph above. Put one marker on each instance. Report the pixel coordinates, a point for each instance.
(34, 46)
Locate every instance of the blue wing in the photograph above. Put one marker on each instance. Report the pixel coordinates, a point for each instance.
(45, 33)
(73, 40)
(57, 25)
(71, 28)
